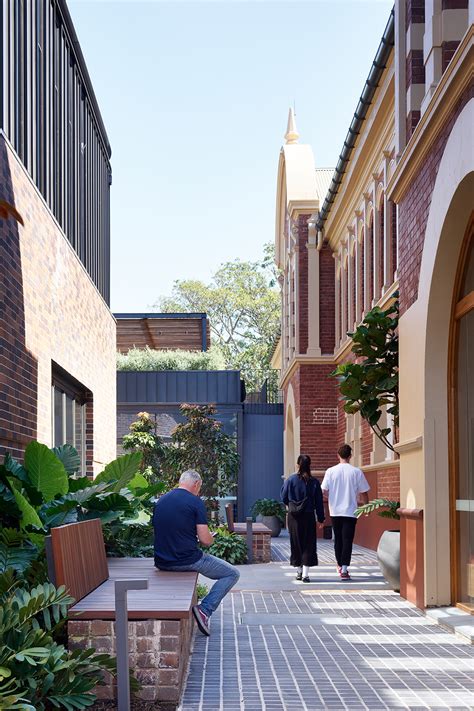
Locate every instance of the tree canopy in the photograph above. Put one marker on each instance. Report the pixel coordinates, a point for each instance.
(242, 301)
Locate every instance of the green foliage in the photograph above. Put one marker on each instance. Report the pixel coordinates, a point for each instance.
(228, 546)
(143, 439)
(151, 360)
(243, 304)
(371, 383)
(201, 591)
(269, 507)
(389, 508)
(199, 443)
(36, 672)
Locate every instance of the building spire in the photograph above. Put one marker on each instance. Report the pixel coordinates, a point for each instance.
(291, 135)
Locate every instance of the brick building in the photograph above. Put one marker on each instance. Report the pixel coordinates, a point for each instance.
(57, 334)
(397, 215)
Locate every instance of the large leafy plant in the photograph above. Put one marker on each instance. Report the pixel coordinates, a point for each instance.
(371, 383)
(386, 508)
(228, 546)
(143, 438)
(199, 443)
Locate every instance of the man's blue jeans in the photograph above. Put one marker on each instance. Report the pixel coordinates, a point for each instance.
(216, 569)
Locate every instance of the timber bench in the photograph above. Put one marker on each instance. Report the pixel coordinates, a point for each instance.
(261, 536)
(160, 620)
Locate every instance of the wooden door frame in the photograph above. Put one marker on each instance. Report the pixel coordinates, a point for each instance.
(460, 307)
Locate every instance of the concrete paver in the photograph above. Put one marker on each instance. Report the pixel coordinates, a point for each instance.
(293, 646)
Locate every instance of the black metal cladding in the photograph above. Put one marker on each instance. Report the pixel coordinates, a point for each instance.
(49, 113)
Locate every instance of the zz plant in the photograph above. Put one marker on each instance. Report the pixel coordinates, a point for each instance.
(371, 382)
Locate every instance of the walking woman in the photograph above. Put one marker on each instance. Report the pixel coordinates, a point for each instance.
(302, 495)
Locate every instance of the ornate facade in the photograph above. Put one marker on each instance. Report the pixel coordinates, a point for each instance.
(396, 216)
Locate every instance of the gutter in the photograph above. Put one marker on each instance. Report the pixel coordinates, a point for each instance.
(378, 66)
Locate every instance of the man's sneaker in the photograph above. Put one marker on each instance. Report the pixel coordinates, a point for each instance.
(345, 576)
(339, 570)
(202, 620)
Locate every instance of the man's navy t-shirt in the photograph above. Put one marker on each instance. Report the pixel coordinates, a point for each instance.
(175, 518)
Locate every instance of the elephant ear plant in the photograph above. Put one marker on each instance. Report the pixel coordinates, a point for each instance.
(36, 670)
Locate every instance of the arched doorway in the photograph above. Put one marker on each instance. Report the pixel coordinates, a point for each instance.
(462, 427)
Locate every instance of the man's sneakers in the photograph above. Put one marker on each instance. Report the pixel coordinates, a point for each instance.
(202, 620)
(339, 570)
(345, 575)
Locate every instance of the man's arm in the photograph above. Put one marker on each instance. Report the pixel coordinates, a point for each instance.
(363, 497)
(204, 534)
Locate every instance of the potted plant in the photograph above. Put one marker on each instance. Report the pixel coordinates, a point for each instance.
(271, 513)
(388, 550)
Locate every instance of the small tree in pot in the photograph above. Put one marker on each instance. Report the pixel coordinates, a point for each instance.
(388, 550)
(271, 513)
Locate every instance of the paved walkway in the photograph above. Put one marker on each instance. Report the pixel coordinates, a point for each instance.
(278, 645)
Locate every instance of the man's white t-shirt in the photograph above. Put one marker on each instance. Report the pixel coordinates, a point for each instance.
(343, 482)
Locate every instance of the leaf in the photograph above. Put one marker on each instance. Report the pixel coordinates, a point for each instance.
(18, 558)
(46, 472)
(15, 468)
(68, 455)
(122, 470)
(29, 515)
(138, 482)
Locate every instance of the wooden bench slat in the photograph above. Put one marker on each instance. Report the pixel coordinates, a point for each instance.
(79, 557)
(169, 595)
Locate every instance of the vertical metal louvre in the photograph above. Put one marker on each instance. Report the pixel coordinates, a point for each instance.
(49, 113)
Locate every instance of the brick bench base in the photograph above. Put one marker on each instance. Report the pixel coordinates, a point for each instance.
(159, 653)
(261, 547)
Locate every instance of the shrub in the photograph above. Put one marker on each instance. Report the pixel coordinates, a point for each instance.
(36, 672)
(228, 546)
(269, 507)
(150, 360)
(201, 591)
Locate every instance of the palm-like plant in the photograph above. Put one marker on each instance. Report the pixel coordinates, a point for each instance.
(389, 508)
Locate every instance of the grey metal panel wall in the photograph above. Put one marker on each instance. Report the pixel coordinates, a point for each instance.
(194, 386)
(262, 457)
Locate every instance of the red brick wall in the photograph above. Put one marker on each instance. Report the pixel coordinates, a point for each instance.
(448, 49)
(414, 208)
(318, 420)
(52, 312)
(302, 347)
(327, 300)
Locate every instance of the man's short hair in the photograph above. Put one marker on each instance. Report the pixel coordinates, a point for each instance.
(345, 451)
(190, 476)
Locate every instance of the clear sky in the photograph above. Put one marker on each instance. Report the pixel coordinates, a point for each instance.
(195, 98)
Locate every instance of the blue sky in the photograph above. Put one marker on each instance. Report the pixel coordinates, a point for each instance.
(195, 98)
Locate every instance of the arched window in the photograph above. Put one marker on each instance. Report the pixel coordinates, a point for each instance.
(370, 257)
(354, 282)
(394, 240)
(361, 275)
(381, 263)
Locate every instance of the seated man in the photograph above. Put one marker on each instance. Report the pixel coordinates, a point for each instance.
(179, 520)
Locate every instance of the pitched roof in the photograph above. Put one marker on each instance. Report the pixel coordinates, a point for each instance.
(323, 181)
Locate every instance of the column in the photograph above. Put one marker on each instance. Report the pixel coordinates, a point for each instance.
(343, 293)
(432, 52)
(313, 289)
(415, 69)
(359, 300)
(400, 78)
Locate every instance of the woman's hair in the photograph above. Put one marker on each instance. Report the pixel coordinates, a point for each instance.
(304, 467)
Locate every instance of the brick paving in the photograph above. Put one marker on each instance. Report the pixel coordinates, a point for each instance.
(309, 649)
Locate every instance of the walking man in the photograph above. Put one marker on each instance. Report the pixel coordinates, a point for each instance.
(179, 522)
(344, 486)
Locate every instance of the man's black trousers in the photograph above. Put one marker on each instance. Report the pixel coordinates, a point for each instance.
(344, 529)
